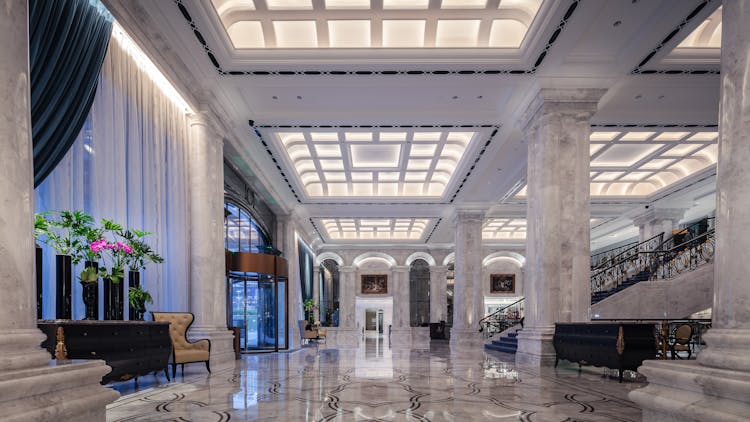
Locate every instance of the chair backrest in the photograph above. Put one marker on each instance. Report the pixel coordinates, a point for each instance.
(683, 334)
(179, 322)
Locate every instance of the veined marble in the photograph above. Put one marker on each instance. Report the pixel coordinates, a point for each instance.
(377, 383)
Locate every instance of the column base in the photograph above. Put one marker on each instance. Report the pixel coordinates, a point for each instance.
(690, 392)
(466, 339)
(535, 347)
(342, 338)
(420, 337)
(401, 338)
(61, 390)
(222, 345)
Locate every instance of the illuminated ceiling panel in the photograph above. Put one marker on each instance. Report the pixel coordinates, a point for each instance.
(306, 24)
(355, 229)
(621, 165)
(504, 228)
(368, 163)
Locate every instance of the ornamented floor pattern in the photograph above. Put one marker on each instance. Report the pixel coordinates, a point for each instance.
(375, 383)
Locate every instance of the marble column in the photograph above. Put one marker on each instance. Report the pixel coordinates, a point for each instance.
(557, 285)
(438, 293)
(401, 331)
(716, 387)
(286, 241)
(657, 220)
(467, 289)
(347, 335)
(208, 291)
(316, 290)
(31, 389)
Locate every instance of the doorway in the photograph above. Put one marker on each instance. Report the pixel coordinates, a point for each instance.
(374, 316)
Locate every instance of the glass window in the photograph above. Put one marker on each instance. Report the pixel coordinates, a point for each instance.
(419, 293)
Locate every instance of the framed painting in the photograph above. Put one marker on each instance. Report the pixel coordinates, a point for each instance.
(374, 284)
(503, 283)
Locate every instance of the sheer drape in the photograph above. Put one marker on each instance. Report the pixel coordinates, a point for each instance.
(129, 164)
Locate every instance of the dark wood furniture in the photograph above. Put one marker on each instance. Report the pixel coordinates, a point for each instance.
(131, 348)
(615, 345)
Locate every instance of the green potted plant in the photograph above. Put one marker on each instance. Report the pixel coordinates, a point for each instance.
(65, 232)
(137, 298)
(141, 255)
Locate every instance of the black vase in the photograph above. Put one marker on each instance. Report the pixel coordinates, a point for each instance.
(91, 299)
(113, 295)
(39, 286)
(136, 312)
(64, 277)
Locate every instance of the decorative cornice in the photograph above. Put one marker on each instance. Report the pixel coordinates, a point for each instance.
(413, 72)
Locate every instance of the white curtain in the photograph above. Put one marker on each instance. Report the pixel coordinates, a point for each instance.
(129, 164)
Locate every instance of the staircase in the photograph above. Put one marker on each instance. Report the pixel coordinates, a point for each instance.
(505, 344)
(644, 275)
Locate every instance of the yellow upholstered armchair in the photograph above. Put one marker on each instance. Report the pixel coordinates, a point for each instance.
(184, 351)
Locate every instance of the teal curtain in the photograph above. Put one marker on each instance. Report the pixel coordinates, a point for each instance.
(68, 40)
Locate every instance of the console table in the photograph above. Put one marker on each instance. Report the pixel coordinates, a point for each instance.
(615, 345)
(131, 348)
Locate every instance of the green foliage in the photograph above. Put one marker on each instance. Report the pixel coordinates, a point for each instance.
(138, 298)
(89, 275)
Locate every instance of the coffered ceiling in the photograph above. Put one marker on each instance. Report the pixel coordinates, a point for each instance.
(373, 120)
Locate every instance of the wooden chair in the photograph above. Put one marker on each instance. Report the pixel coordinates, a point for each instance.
(305, 334)
(681, 343)
(183, 350)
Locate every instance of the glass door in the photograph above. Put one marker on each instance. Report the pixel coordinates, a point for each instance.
(258, 309)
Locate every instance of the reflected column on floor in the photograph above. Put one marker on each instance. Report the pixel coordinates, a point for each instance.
(717, 386)
(401, 332)
(208, 300)
(556, 128)
(468, 279)
(30, 388)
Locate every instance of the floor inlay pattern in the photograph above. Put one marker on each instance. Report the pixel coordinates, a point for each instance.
(375, 383)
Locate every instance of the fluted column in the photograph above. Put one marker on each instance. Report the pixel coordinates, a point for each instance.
(29, 388)
(438, 293)
(468, 278)
(316, 290)
(401, 332)
(287, 244)
(347, 335)
(208, 297)
(717, 386)
(556, 126)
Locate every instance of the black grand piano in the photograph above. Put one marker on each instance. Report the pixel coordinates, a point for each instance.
(131, 348)
(615, 345)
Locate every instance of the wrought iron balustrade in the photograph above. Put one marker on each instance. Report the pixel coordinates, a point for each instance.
(501, 319)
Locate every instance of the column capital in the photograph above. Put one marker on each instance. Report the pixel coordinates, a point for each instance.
(550, 100)
(468, 215)
(438, 269)
(657, 214)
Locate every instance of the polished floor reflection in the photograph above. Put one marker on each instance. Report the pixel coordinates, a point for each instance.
(376, 383)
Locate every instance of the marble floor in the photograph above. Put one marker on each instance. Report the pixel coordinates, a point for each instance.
(376, 383)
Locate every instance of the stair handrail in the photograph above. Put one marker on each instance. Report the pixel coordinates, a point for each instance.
(686, 256)
(495, 318)
(599, 258)
(625, 263)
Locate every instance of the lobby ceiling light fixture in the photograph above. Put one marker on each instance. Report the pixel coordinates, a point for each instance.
(304, 24)
(379, 229)
(375, 162)
(640, 162)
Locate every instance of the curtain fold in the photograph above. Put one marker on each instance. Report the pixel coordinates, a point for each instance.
(128, 164)
(68, 40)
